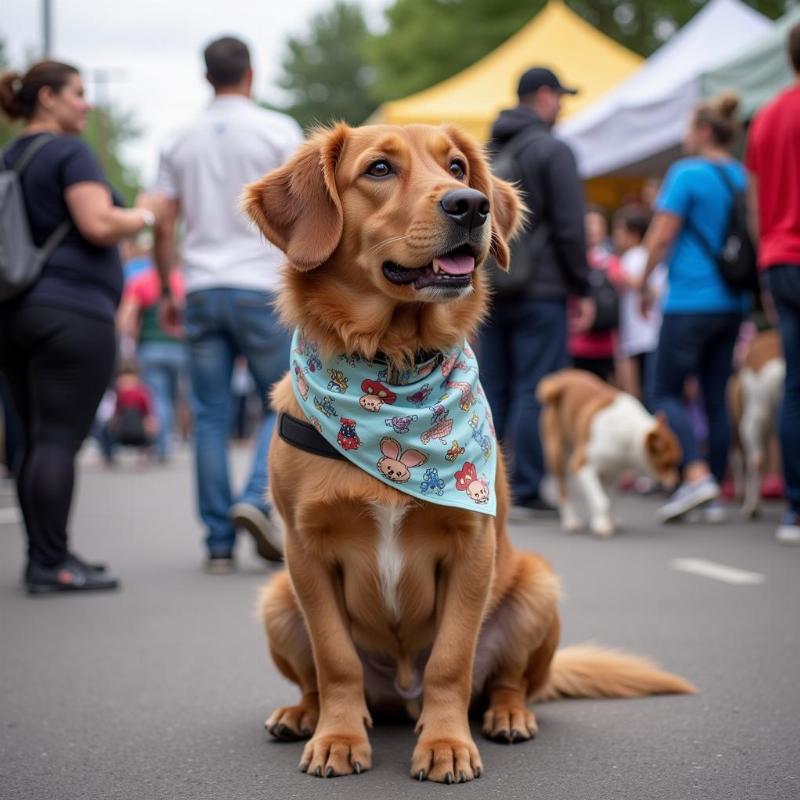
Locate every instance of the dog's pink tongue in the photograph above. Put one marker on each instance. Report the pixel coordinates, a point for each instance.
(456, 265)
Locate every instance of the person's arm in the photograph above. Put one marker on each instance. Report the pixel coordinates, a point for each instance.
(659, 239)
(164, 245)
(752, 207)
(565, 213)
(128, 315)
(565, 217)
(99, 221)
(169, 308)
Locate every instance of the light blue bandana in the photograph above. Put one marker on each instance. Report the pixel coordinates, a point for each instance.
(427, 431)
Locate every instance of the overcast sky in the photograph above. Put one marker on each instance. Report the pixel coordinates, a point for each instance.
(153, 50)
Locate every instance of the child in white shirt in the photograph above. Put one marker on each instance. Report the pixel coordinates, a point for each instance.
(638, 335)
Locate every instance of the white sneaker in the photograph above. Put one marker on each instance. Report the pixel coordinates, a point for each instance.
(789, 530)
(266, 534)
(713, 513)
(688, 496)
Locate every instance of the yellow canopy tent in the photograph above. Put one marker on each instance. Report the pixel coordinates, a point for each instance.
(557, 38)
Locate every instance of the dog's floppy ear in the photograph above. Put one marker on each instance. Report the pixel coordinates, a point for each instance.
(297, 206)
(506, 207)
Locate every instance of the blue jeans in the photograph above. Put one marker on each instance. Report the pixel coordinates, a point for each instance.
(700, 345)
(222, 324)
(163, 365)
(523, 340)
(784, 286)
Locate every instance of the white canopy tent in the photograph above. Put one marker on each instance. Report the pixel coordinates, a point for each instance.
(636, 128)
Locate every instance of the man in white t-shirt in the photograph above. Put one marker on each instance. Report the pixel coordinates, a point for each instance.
(231, 274)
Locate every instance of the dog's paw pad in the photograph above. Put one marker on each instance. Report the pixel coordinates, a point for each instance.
(291, 723)
(444, 759)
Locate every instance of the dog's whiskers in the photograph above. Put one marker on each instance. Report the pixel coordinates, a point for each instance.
(386, 242)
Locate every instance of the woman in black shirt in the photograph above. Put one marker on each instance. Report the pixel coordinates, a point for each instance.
(57, 338)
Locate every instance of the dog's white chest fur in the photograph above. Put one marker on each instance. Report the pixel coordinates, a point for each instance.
(389, 554)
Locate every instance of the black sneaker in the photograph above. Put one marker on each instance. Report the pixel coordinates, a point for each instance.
(69, 577)
(94, 566)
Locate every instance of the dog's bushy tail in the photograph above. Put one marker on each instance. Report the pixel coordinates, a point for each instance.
(591, 671)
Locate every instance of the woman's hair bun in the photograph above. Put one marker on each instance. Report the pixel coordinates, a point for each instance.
(10, 88)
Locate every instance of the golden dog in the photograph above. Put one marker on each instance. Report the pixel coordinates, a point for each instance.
(382, 587)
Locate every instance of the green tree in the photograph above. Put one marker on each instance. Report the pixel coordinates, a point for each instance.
(325, 73)
(107, 130)
(8, 129)
(426, 41)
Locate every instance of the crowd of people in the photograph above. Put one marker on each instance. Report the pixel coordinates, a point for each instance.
(636, 297)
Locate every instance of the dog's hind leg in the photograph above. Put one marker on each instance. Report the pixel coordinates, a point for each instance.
(291, 650)
(530, 629)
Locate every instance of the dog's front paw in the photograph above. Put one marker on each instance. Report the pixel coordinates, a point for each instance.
(446, 760)
(509, 723)
(328, 755)
(290, 723)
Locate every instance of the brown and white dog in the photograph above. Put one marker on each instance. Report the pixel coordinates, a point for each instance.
(754, 394)
(592, 432)
(391, 602)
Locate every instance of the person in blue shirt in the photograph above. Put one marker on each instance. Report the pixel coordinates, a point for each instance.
(702, 314)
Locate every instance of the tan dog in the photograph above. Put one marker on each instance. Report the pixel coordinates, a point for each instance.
(391, 602)
(592, 432)
(754, 394)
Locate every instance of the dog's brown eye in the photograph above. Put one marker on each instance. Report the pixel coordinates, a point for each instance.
(458, 169)
(379, 169)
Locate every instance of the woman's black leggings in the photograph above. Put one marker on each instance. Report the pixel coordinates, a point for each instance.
(58, 363)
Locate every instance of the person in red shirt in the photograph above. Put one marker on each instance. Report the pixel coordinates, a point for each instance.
(133, 423)
(773, 162)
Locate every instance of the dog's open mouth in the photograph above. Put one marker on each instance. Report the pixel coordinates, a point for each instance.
(451, 270)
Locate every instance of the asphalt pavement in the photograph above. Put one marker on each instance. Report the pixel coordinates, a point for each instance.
(161, 690)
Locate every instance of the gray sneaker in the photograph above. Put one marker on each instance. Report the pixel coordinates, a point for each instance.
(688, 496)
(266, 534)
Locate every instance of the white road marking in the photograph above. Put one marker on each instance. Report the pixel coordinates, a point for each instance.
(717, 572)
(10, 516)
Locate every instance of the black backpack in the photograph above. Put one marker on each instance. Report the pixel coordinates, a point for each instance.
(526, 248)
(736, 260)
(606, 301)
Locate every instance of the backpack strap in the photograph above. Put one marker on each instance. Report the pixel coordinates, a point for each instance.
(692, 228)
(30, 151)
(57, 236)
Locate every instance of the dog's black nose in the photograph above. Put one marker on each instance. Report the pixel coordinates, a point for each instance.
(468, 207)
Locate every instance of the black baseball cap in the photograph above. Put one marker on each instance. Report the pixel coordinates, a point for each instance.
(533, 79)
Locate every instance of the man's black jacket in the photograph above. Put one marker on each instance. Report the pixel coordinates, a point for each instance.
(553, 192)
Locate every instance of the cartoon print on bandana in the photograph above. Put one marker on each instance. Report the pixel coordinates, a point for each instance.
(347, 436)
(467, 397)
(396, 463)
(467, 480)
(326, 406)
(440, 426)
(431, 482)
(400, 424)
(415, 437)
(483, 441)
(375, 395)
(455, 451)
(302, 383)
(309, 351)
(338, 381)
(419, 397)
